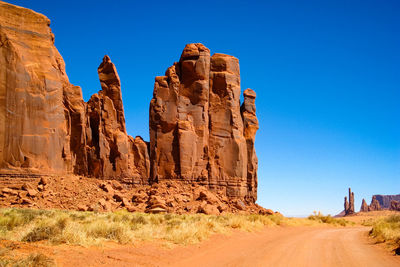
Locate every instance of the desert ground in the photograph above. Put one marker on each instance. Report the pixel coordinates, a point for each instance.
(293, 242)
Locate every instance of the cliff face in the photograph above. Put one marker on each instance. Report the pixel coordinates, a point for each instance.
(385, 200)
(45, 126)
(33, 132)
(381, 202)
(198, 132)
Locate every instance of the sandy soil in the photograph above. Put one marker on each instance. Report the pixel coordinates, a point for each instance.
(279, 246)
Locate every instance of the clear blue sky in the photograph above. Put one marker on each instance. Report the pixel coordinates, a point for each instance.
(326, 73)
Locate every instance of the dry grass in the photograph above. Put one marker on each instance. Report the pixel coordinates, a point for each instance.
(91, 228)
(387, 230)
(32, 260)
(328, 219)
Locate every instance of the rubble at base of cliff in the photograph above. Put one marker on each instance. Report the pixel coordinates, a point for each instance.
(88, 194)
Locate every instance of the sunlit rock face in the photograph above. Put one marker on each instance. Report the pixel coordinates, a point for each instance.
(198, 130)
(200, 133)
(45, 126)
(33, 132)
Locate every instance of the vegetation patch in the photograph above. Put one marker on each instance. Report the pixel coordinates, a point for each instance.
(387, 230)
(92, 228)
(328, 219)
(32, 260)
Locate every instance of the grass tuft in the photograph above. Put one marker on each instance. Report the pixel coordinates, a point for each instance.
(387, 230)
(33, 260)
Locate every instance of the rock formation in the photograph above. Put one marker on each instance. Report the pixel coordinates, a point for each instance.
(346, 205)
(364, 206)
(45, 126)
(198, 131)
(110, 151)
(250, 121)
(374, 206)
(349, 205)
(33, 131)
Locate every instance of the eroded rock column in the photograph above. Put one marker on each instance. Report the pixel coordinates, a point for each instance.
(250, 121)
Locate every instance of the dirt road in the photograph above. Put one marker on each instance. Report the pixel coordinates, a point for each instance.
(280, 246)
(295, 247)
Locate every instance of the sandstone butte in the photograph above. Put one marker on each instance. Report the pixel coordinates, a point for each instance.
(199, 132)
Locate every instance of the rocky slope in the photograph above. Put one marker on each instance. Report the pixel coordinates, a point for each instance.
(82, 193)
(200, 134)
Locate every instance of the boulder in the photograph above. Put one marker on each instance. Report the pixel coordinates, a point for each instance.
(139, 197)
(116, 185)
(107, 187)
(44, 180)
(32, 192)
(208, 209)
(82, 207)
(118, 197)
(239, 204)
(9, 191)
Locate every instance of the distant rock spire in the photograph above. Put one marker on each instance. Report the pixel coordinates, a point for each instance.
(349, 205)
(375, 205)
(364, 206)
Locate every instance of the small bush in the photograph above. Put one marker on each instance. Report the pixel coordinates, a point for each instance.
(319, 217)
(43, 232)
(111, 231)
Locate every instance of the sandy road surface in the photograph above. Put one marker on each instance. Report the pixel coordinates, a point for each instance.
(280, 246)
(295, 247)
